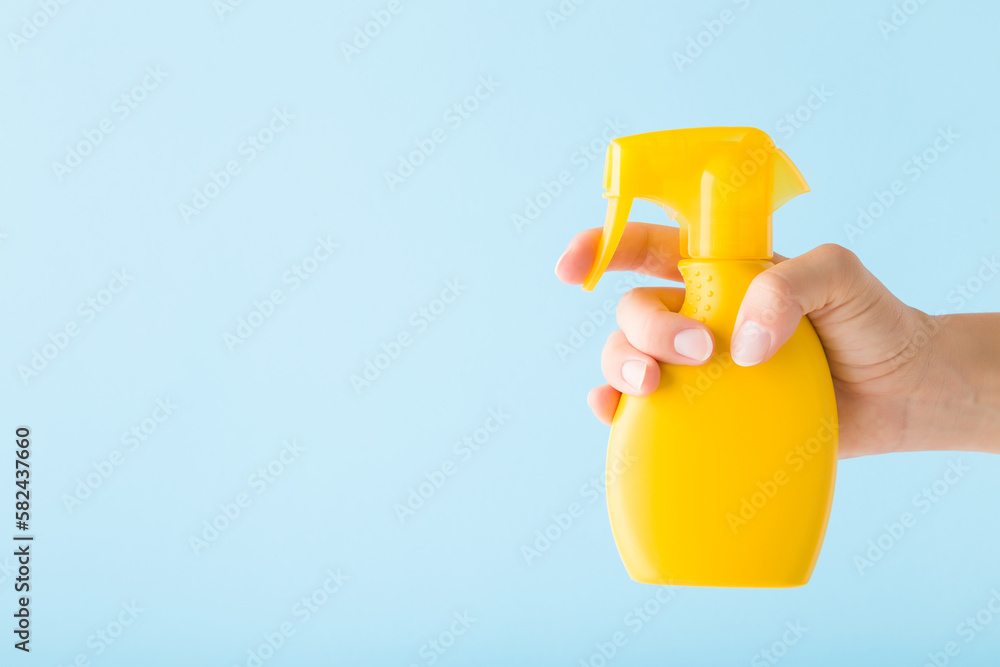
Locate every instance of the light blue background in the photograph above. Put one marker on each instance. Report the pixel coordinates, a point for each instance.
(494, 347)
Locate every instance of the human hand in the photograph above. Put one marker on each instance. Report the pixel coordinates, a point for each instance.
(904, 381)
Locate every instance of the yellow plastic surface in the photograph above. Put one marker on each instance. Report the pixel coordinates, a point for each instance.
(724, 476)
(721, 183)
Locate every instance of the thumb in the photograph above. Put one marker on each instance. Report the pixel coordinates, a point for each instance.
(822, 280)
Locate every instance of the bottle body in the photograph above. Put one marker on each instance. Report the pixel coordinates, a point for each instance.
(724, 476)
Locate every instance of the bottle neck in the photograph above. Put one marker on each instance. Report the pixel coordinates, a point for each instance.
(714, 290)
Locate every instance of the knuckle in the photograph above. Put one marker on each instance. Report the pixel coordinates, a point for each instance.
(773, 294)
(609, 355)
(846, 273)
(639, 316)
(616, 339)
(614, 342)
(631, 304)
(626, 304)
(837, 257)
(646, 331)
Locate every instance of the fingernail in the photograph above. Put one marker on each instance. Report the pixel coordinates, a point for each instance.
(750, 344)
(634, 372)
(560, 260)
(695, 344)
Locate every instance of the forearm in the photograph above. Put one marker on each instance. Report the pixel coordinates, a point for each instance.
(959, 399)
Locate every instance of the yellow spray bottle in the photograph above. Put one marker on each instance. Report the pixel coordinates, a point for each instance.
(728, 471)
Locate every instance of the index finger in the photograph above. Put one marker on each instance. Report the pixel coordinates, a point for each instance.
(652, 250)
(645, 248)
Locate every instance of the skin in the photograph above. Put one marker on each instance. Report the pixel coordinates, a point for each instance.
(905, 381)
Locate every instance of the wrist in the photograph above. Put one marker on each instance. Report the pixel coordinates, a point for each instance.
(957, 403)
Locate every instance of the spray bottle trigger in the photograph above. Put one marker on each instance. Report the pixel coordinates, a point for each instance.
(614, 226)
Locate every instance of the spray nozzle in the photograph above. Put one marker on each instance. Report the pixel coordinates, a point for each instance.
(721, 183)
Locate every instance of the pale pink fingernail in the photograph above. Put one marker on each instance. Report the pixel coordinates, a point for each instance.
(560, 260)
(695, 344)
(750, 344)
(634, 372)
